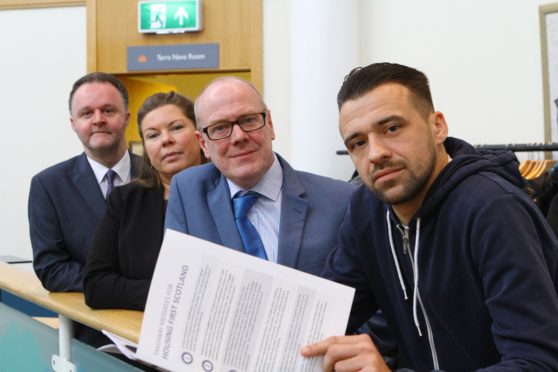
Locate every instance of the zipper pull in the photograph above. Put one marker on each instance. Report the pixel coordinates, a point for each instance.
(405, 241)
(404, 230)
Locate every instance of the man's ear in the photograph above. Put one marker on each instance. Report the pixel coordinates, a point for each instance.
(270, 123)
(201, 141)
(127, 119)
(439, 127)
(73, 124)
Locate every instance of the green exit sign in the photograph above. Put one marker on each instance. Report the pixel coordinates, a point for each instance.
(172, 16)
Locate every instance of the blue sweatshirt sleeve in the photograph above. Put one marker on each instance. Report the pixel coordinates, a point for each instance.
(516, 256)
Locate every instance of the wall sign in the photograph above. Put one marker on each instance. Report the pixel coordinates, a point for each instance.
(173, 57)
(164, 17)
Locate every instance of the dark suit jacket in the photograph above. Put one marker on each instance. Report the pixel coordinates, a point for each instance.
(122, 258)
(65, 206)
(312, 210)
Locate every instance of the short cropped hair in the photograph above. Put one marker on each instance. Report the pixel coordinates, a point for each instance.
(362, 80)
(100, 77)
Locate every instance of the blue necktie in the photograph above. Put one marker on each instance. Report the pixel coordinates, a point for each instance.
(250, 238)
(110, 182)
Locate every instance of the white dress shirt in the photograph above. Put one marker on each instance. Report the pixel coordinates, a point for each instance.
(122, 169)
(265, 214)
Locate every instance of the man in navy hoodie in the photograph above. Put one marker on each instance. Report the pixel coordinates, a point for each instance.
(441, 237)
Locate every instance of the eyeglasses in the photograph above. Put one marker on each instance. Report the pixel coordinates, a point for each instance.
(224, 129)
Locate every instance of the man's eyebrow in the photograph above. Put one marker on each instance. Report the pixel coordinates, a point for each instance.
(389, 119)
(219, 121)
(82, 109)
(379, 123)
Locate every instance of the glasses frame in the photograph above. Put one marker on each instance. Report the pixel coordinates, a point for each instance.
(233, 123)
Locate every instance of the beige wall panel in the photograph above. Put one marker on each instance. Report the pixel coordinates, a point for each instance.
(20, 4)
(236, 25)
(138, 91)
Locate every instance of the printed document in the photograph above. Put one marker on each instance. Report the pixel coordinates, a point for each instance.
(212, 308)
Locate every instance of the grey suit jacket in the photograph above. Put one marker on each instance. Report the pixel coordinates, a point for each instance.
(65, 206)
(312, 210)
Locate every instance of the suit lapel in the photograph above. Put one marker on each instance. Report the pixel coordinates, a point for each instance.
(157, 201)
(135, 164)
(219, 202)
(294, 209)
(85, 182)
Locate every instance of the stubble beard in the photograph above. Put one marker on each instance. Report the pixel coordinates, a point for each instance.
(108, 149)
(413, 183)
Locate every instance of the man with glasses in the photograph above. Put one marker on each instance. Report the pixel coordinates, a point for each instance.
(296, 215)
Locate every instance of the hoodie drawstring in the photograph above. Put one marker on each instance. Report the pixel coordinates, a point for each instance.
(416, 294)
(416, 277)
(415, 272)
(395, 257)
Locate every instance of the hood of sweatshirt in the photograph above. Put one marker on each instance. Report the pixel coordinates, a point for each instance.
(466, 160)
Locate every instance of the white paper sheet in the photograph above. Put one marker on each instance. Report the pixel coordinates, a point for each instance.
(211, 308)
(121, 345)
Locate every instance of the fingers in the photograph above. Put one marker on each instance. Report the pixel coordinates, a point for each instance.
(318, 348)
(356, 354)
(347, 353)
(351, 353)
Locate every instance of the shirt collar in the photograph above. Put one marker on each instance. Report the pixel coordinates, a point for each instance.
(122, 168)
(269, 186)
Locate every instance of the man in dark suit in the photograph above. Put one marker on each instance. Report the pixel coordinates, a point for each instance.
(297, 214)
(67, 200)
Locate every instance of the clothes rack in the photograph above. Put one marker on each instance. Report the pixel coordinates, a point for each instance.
(515, 147)
(522, 147)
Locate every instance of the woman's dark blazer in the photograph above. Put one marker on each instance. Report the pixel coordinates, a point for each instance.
(122, 258)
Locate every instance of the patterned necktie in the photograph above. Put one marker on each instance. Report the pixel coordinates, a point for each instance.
(110, 182)
(250, 238)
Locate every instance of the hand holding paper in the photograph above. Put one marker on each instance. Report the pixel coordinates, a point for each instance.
(347, 353)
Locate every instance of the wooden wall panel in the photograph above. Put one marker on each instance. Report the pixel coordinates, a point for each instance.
(22, 4)
(236, 25)
(138, 91)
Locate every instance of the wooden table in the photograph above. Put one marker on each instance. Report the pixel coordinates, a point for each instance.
(25, 284)
(70, 306)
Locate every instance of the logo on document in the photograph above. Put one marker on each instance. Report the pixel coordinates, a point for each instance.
(187, 358)
(207, 366)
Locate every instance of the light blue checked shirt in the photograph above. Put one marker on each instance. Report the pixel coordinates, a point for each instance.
(265, 214)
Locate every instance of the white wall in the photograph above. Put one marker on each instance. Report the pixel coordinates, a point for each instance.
(276, 68)
(321, 32)
(482, 57)
(42, 53)
(308, 47)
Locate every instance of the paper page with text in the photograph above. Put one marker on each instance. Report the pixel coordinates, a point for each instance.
(212, 308)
